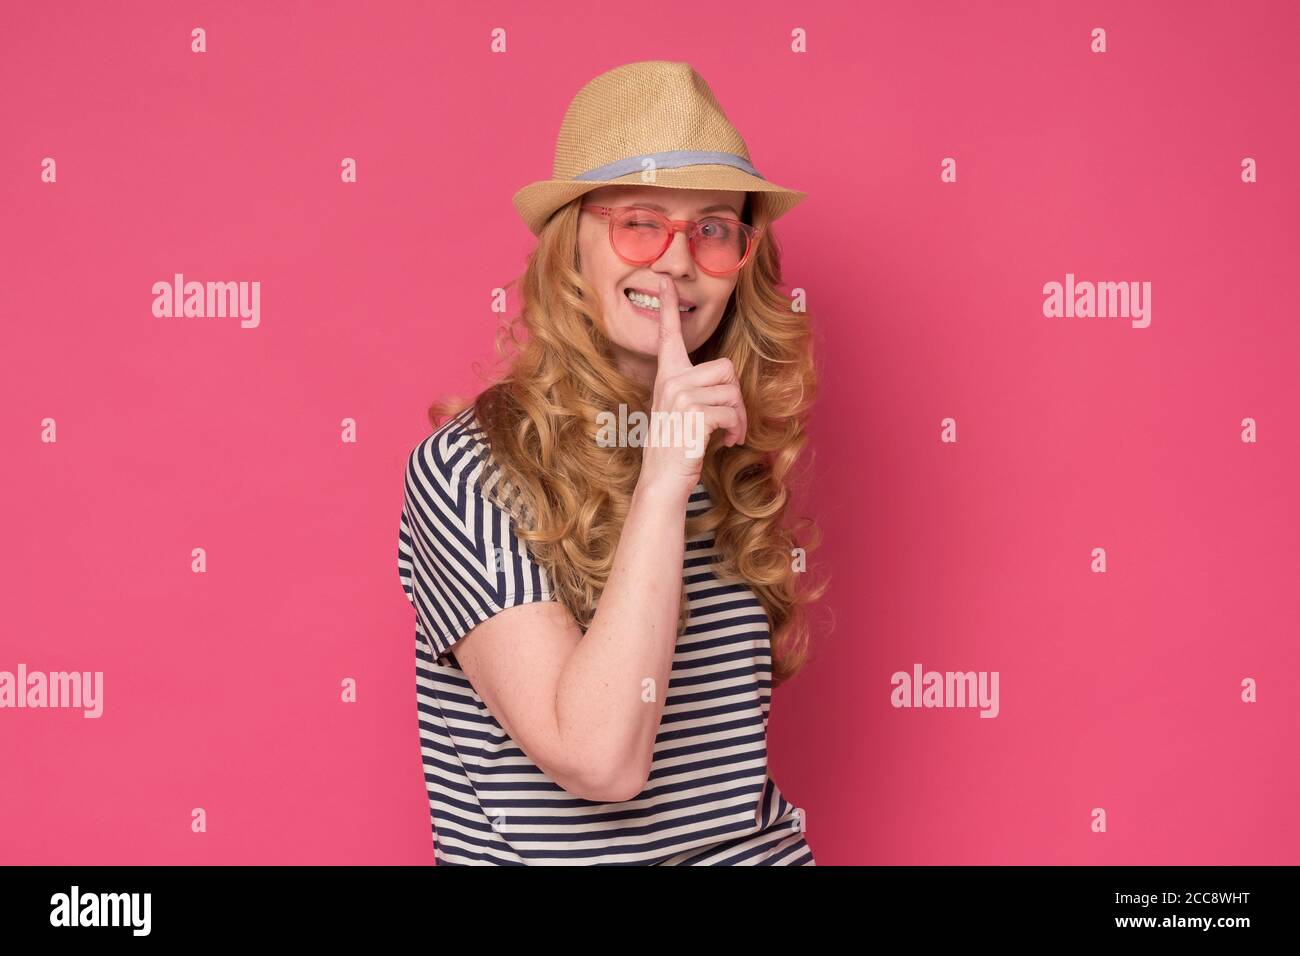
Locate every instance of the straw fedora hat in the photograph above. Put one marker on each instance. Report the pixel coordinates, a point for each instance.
(652, 123)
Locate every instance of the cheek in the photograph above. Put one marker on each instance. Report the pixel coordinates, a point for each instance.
(705, 331)
(719, 308)
(715, 318)
(599, 272)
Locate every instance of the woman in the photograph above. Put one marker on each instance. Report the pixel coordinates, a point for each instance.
(600, 622)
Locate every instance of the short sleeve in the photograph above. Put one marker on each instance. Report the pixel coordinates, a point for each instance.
(459, 559)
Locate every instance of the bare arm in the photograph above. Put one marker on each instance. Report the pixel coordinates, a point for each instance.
(576, 704)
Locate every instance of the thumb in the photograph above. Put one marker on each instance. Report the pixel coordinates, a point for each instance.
(673, 357)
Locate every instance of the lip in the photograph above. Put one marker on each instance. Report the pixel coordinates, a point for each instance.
(680, 299)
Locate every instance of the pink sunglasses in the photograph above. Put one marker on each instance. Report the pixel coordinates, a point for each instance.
(719, 245)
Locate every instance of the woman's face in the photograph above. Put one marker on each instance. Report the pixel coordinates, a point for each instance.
(634, 331)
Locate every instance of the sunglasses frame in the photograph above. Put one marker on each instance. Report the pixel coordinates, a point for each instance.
(688, 226)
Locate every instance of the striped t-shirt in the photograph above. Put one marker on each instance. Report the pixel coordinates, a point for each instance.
(709, 799)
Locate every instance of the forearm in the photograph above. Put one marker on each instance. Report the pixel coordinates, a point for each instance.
(602, 708)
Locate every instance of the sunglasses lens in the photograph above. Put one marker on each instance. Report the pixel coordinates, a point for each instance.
(639, 236)
(720, 245)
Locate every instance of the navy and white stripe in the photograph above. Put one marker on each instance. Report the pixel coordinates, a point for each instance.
(470, 563)
(709, 799)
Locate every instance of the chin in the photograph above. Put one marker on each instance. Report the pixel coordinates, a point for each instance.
(649, 346)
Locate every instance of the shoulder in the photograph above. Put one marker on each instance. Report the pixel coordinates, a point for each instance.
(454, 455)
(453, 471)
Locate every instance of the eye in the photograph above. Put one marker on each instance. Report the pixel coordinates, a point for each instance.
(641, 219)
(716, 229)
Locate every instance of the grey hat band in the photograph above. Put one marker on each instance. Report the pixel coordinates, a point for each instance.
(671, 159)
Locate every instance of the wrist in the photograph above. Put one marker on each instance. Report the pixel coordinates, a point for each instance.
(661, 495)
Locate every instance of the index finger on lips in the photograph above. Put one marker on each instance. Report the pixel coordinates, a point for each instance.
(673, 357)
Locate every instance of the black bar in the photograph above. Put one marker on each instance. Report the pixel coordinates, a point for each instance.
(976, 904)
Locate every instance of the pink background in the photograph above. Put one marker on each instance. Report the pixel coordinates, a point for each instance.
(1118, 690)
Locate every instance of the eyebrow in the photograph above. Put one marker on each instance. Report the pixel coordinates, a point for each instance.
(721, 207)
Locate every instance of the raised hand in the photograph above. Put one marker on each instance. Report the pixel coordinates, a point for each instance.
(689, 403)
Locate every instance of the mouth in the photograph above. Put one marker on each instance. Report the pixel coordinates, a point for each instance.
(647, 303)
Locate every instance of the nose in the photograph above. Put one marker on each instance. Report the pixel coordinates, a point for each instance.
(677, 260)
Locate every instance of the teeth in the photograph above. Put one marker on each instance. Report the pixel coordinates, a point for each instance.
(652, 302)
